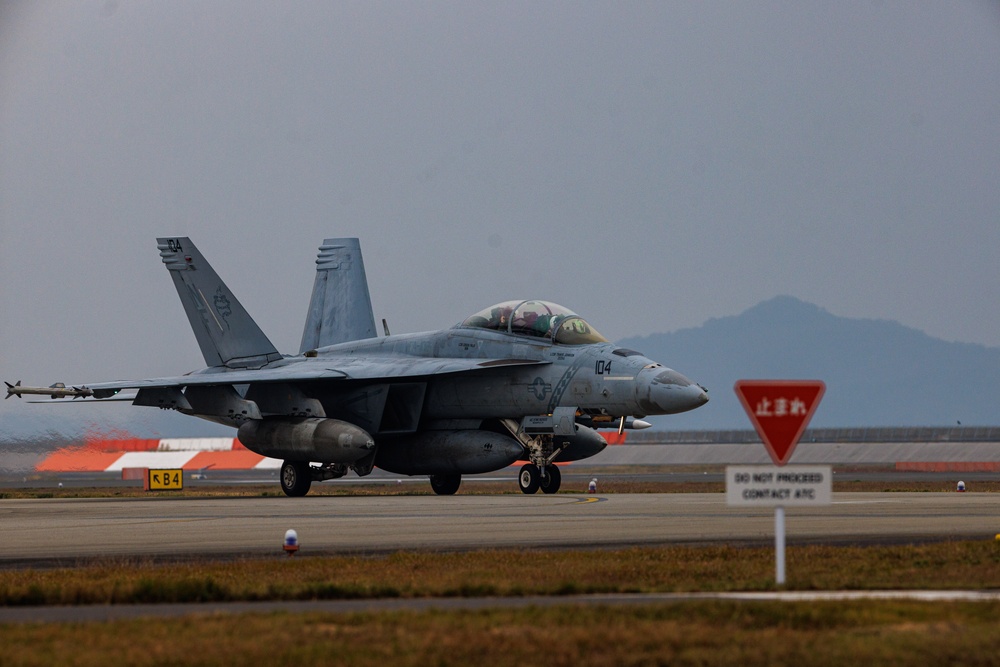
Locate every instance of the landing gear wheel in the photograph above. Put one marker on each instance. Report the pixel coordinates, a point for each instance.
(529, 478)
(295, 478)
(552, 479)
(446, 485)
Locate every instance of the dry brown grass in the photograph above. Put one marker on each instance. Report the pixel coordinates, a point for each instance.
(896, 633)
(946, 565)
(694, 633)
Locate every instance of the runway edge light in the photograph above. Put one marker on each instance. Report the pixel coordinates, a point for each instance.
(291, 542)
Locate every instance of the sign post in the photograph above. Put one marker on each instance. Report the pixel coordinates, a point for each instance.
(779, 410)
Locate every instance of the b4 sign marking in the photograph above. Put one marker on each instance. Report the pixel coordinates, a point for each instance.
(780, 410)
(171, 479)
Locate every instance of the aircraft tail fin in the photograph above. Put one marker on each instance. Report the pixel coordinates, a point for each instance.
(340, 309)
(226, 333)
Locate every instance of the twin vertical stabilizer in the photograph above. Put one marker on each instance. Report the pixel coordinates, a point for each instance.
(341, 308)
(226, 333)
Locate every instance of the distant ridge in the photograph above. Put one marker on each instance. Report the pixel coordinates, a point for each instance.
(877, 372)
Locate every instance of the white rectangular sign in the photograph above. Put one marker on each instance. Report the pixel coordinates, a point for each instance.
(771, 486)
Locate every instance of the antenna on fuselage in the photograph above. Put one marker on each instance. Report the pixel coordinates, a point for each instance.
(385, 327)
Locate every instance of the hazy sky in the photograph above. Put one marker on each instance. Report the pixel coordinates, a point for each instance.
(649, 165)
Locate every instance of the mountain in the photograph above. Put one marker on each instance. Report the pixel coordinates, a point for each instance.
(877, 372)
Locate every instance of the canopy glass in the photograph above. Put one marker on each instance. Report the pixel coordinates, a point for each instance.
(539, 319)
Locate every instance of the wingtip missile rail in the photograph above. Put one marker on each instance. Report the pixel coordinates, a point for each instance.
(57, 390)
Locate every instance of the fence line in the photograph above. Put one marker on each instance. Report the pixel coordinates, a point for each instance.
(872, 435)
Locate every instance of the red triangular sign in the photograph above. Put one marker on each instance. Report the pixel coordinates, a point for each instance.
(780, 411)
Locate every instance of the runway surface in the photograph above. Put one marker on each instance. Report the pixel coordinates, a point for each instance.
(55, 530)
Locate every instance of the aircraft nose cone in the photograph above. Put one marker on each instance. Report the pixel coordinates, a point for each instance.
(670, 393)
(674, 399)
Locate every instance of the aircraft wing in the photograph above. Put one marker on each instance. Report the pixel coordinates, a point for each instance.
(308, 370)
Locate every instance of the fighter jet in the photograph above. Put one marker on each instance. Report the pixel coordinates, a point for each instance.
(523, 380)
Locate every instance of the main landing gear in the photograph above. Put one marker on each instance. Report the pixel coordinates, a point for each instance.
(296, 478)
(532, 477)
(446, 485)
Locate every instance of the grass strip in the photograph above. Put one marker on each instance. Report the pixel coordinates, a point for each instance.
(516, 572)
(691, 633)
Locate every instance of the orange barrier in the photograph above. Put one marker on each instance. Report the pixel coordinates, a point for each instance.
(77, 459)
(125, 445)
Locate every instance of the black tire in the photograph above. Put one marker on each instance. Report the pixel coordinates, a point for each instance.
(295, 478)
(551, 481)
(529, 478)
(446, 485)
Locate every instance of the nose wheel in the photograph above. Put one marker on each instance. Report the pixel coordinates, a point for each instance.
(531, 478)
(550, 481)
(528, 478)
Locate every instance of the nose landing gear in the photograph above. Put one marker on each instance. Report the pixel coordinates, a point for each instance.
(544, 439)
(533, 477)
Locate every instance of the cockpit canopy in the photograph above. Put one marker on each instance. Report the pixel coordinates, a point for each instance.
(540, 319)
